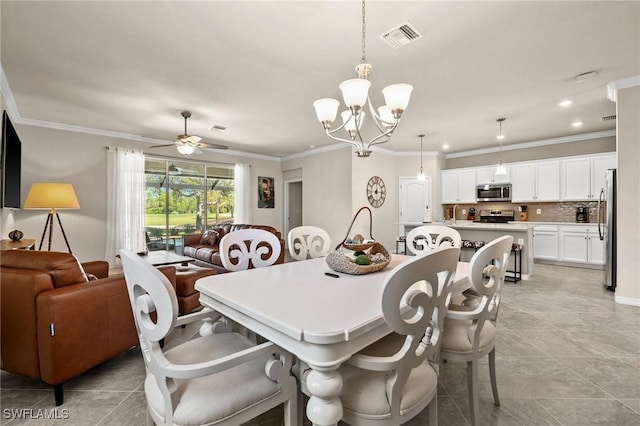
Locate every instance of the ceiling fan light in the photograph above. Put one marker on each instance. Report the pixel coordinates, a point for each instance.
(326, 110)
(355, 92)
(397, 96)
(186, 149)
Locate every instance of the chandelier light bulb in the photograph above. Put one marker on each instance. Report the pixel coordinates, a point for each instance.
(350, 121)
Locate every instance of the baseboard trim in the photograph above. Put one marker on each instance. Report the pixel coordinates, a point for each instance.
(569, 264)
(627, 300)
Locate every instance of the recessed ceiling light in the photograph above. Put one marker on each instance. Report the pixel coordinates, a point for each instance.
(565, 103)
(445, 146)
(576, 124)
(312, 146)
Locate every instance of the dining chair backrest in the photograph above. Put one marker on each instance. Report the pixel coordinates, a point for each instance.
(189, 383)
(487, 270)
(243, 248)
(424, 284)
(308, 241)
(428, 237)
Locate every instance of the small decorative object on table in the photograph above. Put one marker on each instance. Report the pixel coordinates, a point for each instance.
(15, 235)
(357, 255)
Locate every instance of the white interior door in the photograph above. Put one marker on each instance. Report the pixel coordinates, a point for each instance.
(415, 196)
(293, 206)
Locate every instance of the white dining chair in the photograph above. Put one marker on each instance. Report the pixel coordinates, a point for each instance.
(241, 249)
(469, 329)
(427, 237)
(391, 381)
(221, 379)
(308, 241)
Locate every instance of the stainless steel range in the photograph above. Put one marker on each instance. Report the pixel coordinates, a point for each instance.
(496, 216)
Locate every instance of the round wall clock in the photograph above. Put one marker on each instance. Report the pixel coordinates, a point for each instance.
(376, 191)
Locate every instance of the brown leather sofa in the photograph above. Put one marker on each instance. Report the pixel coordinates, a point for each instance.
(59, 319)
(204, 247)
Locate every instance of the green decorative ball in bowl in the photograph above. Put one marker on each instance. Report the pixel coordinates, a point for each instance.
(16, 235)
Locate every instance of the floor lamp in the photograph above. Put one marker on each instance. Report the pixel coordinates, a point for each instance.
(52, 196)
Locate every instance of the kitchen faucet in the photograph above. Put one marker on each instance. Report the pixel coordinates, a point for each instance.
(454, 213)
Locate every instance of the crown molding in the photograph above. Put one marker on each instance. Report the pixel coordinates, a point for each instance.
(7, 94)
(533, 144)
(625, 83)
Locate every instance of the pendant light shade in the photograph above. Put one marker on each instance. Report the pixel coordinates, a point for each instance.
(421, 175)
(501, 170)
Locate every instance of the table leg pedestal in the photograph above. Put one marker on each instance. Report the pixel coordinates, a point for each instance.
(324, 407)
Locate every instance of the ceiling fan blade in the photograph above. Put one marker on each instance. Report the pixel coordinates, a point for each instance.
(159, 146)
(197, 150)
(193, 139)
(212, 145)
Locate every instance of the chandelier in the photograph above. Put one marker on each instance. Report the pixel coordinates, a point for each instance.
(355, 93)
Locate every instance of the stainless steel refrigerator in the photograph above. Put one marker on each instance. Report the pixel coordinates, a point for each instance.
(607, 227)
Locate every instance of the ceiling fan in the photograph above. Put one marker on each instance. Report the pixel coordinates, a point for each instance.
(190, 144)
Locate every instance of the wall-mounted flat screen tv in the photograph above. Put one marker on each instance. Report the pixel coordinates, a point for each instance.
(11, 164)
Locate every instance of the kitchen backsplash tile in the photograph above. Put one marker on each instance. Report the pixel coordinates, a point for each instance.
(549, 212)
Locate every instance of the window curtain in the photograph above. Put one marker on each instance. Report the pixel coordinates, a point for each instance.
(242, 193)
(126, 205)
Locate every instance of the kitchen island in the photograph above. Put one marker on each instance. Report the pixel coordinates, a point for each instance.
(521, 232)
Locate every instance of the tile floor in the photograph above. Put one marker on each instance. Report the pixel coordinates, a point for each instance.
(566, 355)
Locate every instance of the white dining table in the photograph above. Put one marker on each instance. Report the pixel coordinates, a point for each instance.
(320, 319)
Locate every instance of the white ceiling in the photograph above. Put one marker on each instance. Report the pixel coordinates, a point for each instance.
(256, 67)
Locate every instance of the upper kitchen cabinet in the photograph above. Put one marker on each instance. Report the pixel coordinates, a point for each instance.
(488, 175)
(583, 177)
(458, 186)
(537, 181)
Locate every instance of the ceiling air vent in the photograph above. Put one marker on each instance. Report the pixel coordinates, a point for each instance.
(401, 35)
(609, 118)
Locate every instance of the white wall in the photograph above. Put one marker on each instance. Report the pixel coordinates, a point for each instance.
(326, 190)
(628, 177)
(80, 159)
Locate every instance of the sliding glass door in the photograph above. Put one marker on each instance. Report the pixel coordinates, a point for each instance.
(184, 197)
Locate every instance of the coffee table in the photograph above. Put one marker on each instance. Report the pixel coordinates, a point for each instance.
(163, 257)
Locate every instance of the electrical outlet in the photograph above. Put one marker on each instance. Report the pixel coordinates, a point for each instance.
(538, 211)
(464, 211)
(521, 241)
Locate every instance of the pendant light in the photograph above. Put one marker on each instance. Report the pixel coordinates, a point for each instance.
(501, 170)
(421, 175)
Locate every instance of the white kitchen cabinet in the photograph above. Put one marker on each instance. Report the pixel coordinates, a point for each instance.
(581, 244)
(458, 186)
(545, 242)
(537, 181)
(583, 177)
(599, 166)
(488, 175)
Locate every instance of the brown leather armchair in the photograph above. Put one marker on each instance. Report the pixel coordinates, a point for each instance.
(55, 322)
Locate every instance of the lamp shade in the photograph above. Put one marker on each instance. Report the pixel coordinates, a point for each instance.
(397, 96)
(349, 120)
(326, 109)
(355, 92)
(51, 195)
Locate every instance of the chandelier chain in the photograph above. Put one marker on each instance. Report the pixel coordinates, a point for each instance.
(363, 60)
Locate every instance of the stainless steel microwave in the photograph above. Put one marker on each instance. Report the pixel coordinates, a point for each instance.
(493, 192)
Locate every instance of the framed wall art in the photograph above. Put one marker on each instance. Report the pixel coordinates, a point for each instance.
(266, 194)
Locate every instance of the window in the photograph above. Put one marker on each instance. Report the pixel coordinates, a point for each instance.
(184, 198)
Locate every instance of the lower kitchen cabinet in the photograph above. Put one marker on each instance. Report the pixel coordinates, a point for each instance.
(581, 244)
(545, 242)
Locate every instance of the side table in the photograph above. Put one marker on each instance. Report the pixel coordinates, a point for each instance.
(25, 243)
